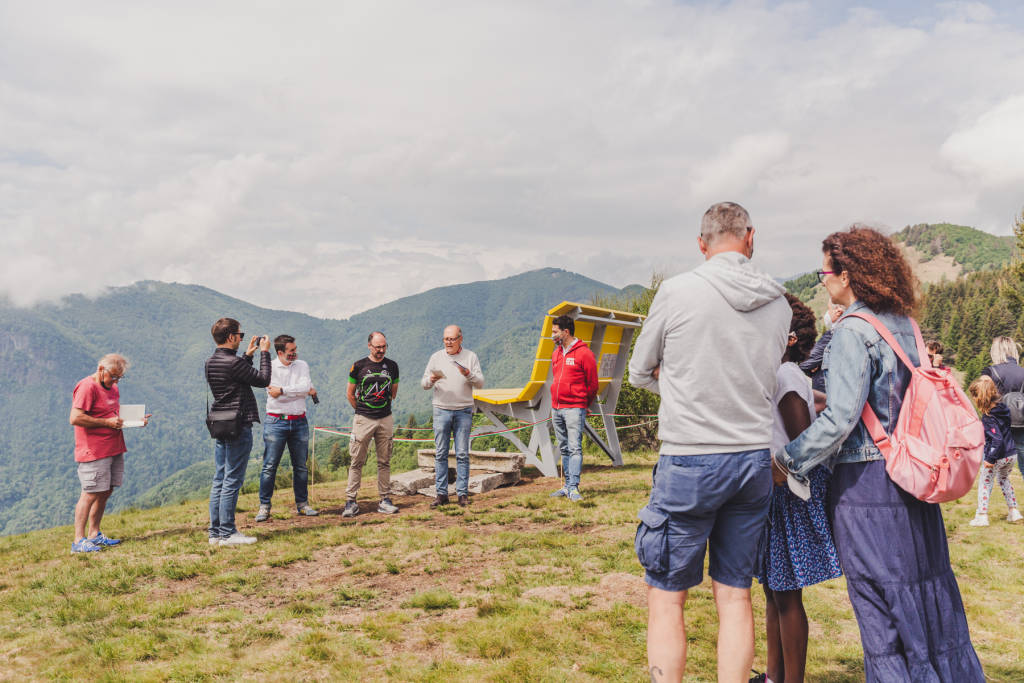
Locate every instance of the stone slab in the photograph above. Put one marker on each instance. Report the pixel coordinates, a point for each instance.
(409, 483)
(490, 461)
(478, 483)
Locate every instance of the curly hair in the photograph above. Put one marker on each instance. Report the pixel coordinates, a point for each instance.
(879, 274)
(984, 393)
(803, 326)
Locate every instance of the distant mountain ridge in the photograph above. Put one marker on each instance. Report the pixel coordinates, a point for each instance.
(970, 248)
(164, 329)
(937, 252)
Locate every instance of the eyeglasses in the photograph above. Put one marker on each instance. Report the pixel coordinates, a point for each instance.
(381, 347)
(113, 377)
(452, 339)
(822, 273)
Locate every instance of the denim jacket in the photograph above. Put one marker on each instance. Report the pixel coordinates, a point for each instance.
(859, 366)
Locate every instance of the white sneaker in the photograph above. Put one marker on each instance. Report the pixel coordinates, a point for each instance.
(237, 538)
(1014, 515)
(980, 520)
(214, 540)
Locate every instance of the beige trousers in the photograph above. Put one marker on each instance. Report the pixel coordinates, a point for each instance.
(382, 432)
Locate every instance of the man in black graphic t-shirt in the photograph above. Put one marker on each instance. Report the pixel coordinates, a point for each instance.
(372, 385)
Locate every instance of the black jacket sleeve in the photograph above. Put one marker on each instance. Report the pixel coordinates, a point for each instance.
(813, 360)
(243, 371)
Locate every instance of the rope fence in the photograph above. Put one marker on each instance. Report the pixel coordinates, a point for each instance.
(348, 434)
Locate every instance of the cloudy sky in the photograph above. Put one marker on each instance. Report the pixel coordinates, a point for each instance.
(329, 157)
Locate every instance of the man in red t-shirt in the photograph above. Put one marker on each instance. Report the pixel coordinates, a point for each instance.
(99, 448)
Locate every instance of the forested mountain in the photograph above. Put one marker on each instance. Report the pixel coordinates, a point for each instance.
(971, 289)
(965, 315)
(972, 249)
(164, 329)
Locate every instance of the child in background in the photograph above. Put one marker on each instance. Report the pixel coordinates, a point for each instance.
(934, 349)
(1000, 451)
(796, 549)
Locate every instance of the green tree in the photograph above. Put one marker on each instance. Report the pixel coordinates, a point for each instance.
(633, 401)
(340, 456)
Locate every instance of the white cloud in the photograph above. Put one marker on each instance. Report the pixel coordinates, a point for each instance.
(293, 157)
(991, 149)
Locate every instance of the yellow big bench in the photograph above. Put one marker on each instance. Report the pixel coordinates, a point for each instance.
(608, 333)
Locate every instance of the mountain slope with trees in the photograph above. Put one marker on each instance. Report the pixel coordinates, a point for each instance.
(164, 329)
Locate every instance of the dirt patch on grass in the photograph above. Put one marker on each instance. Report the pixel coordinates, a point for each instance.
(613, 588)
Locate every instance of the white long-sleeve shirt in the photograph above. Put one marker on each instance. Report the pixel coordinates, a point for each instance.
(454, 391)
(293, 379)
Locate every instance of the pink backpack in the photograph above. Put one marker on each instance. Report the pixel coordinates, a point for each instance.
(936, 449)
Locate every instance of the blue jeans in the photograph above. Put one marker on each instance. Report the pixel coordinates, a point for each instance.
(447, 422)
(1018, 439)
(230, 459)
(568, 424)
(278, 433)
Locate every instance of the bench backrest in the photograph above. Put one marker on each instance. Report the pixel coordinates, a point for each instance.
(602, 329)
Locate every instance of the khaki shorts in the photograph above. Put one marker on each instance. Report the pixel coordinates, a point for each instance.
(101, 475)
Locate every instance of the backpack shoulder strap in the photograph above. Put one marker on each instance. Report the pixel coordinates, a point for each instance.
(997, 378)
(870, 419)
(875, 429)
(922, 352)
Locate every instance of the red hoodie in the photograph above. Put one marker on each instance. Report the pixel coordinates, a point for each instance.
(575, 377)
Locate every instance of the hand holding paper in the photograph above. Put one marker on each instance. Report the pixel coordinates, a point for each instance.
(134, 415)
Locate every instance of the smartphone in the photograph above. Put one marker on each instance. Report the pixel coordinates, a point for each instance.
(460, 365)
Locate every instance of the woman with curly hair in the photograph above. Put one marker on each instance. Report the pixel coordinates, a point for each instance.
(796, 547)
(892, 546)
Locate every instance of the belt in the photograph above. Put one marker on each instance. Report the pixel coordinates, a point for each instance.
(286, 417)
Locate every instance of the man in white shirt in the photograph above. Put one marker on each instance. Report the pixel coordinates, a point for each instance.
(286, 425)
(452, 373)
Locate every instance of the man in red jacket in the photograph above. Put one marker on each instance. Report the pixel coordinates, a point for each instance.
(574, 386)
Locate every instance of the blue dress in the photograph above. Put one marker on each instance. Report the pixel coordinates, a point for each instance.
(796, 547)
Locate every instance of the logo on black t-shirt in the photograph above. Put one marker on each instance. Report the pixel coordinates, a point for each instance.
(374, 382)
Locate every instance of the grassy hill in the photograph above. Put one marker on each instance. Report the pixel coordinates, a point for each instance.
(517, 587)
(164, 329)
(970, 248)
(938, 253)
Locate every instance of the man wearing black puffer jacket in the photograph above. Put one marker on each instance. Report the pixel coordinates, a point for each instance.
(231, 378)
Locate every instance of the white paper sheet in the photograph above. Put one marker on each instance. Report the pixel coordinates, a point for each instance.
(133, 414)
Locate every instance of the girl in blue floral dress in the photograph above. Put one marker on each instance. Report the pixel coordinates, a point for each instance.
(797, 549)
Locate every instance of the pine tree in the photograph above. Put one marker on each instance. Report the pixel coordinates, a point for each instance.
(339, 457)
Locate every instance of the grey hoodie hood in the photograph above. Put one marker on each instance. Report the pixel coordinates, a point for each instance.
(716, 356)
(740, 283)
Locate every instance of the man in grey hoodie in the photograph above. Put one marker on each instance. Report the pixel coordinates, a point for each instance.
(710, 346)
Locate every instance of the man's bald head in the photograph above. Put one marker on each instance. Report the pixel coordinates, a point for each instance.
(452, 339)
